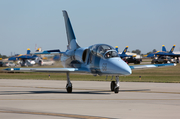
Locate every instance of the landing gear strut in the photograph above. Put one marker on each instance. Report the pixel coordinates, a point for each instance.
(69, 84)
(115, 85)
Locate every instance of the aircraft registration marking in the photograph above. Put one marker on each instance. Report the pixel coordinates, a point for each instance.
(104, 66)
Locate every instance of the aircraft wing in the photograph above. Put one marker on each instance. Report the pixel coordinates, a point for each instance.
(168, 54)
(58, 70)
(151, 66)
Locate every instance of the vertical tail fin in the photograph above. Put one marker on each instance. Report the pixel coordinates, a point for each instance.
(163, 48)
(72, 43)
(28, 51)
(125, 50)
(172, 49)
(116, 48)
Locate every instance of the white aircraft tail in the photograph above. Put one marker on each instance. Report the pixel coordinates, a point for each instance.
(72, 43)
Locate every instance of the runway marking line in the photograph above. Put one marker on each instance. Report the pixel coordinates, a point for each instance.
(55, 114)
(90, 99)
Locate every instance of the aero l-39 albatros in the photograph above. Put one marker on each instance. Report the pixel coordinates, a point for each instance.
(98, 59)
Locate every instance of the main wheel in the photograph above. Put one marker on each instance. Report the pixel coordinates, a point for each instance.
(113, 84)
(116, 90)
(69, 89)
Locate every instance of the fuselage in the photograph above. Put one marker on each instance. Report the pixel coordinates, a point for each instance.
(99, 59)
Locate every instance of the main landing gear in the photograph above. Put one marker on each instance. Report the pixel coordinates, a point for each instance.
(69, 84)
(115, 85)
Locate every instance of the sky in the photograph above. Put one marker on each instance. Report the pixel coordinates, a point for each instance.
(139, 24)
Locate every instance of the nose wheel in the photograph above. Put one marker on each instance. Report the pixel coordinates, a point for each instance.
(115, 85)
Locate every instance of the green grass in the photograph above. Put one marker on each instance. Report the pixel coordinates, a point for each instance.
(163, 75)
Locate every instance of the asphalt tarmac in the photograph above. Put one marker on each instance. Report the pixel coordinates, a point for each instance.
(47, 99)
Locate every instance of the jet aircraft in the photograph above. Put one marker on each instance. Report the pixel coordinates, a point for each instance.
(17, 56)
(98, 59)
(165, 53)
(154, 54)
(25, 57)
(123, 54)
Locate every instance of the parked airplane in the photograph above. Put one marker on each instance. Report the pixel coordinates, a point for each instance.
(26, 59)
(98, 59)
(165, 53)
(16, 56)
(123, 54)
(154, 54)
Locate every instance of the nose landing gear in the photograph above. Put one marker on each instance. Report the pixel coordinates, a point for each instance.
(115, 85)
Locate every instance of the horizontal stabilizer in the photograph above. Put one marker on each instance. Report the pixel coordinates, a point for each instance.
(13, 58)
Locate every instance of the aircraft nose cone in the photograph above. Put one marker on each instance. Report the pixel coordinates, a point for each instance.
(127, 70)
(122, 68)
(118, 66)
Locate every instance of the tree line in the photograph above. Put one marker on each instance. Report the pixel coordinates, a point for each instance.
(3, 56)
(137, 51)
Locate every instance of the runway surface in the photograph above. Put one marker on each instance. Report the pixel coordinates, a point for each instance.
(46, 99)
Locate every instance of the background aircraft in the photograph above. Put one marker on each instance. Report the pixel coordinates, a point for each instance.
(165, 53)
(26, 59)
(98, 59)
(123, 54)
(128, 58)
(154, 54)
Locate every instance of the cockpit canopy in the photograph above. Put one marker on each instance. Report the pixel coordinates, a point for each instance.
(103, 50)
